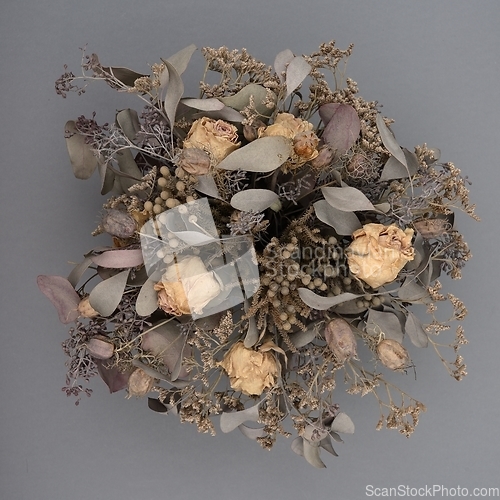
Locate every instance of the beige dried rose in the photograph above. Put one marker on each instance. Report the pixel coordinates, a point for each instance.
(217, 137)
(250, 371)
(186, 287)
(286, 125)
(379, 252)
(194, 161)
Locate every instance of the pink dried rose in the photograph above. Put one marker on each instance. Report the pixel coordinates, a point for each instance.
(251, 371)
(379, 252)
(186, 287)
(217, 137)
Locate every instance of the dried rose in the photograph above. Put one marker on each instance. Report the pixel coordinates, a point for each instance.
(139, 383)
(194, 161)
(305, 144)
(186, 287)
(379, 252)
(217, 137)
(340, 339)
(286, 125)
(250, 371)
(324, 158)
(392, 354)
(119, 223)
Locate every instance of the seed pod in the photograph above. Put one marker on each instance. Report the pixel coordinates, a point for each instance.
(359, 167)
(340, 339)
(100, 347)
(139, 383)
(119, 223)
(251, 132)
(432, 228)
(194, 161)
(392, 354)
(86, 310)
(324, 158)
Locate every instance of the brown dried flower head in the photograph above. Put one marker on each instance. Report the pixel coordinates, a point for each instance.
(340, 339)
(379, 252)
(139, 383)
(194, 161)
(217, 137)
(392, 354)
(324, 157)
(250, 371)
(305, 144)
(186, 287)
(86, 310)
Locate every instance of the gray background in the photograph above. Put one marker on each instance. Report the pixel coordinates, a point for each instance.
(434, 67)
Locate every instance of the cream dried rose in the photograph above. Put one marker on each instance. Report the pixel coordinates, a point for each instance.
(250, 371)
(286, 125)
(217, 137)
(186, 287)
(379, 252)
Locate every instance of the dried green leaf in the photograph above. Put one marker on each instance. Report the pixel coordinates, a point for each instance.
(386, 323)
(253, 199)
(230, 420)
(180, 60)
(78, 271)
(394, 169)
(343, 424)
(147, 300)
(174, 92)
(411, 291)
(252, 335)
(81, 154)
(241, 99)
(347, 199)
(119, 259)
(326, 444)
(129, 167)
(389, 141)
(323, 303)
(106, 296)
(343, 127)
(128, 121)
(206, 185)
(415, 331)
(281, 61)
(311, 454)
(252, 433)
(296, 71)
(344, 223)
(62, 295)
(204, 104)
(262, 155)
(108, 178)
(124, 75)
(156, 405)
(302, 338)
(298, 446)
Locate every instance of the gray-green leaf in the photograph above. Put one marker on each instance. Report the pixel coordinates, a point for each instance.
(296, 71)
(347, 199)
(323, 303)
(147, 300)
(342, 424)
(106, 296)
(415, 331)
(384, 322)
(175, 90)
(344, 223)
(128, 121)
(253, 199)
(180, 60)
(241, 99)
(389, 141)
(81, 154)
(230, 420)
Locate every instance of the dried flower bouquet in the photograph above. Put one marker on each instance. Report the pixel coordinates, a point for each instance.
(260, 236)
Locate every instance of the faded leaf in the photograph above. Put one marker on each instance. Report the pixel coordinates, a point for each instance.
(394, 169)
(230, 420)
(296, 71)
(343, 127)
(78, 271)
(180, 60)
(389, 141)
(298, 446)
(204, 104)
(252, 335)
(117, 259)
(342, 424)
(281, 61)
(81, 155)
(251, 432)
(62, 295)
(206, 185)
(262, 155)
(175, 89)
(112, 377)
(311, 454)
(411, 291)
(128, 121)
(241, 99)
(129, 167)
(302, 338)
(347, 199)
(124, 75)
(107, 178)
(415, 331)
(326, 444)
(323, 303)
(106, 295)
(344, 223)
(156, 405)
(379, 322)
(253, 199)
(147, 300)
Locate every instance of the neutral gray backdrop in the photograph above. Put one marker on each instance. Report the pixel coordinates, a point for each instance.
(434, 67)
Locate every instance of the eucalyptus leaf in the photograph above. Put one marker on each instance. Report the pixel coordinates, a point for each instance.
(206, 185)
(147, 300)
(311, 454)
(298, 446)
(241, 99)
(350, 307)
(175, 90)
(194, 238)
(81, 154)
(281, 61)
(118, 259)
(326, 444)
(107, 178)
(343, 424)
(386, 323)
(253, 199)
(129, 167)
(252, 335)
(262, 155)
(342, 130)
(156, 405)
(347, 199)
(62, 295)
(78, 271)
(344, 223)
(106, 296)
(178, 370)
(226, 113)
(112, 377)
(180, 60)
(389, 141)
(125, 75)
(394, 169)
(252, 433)
(230, 420)
(302, 338)
(128, 121)
(314, 434)
(323, 303)
(415, 331)
(296, 71)
(411, 291)
(204, 104)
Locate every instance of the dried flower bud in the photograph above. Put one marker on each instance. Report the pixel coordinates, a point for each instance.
(392, 354)
(305, 144)
(359, 167)
(251, 132)
(194, 161)
(340, 339)
(86, 310)
(432, 228)
(139, 383)
(119, 223)
(324, 158)
(100, 347)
